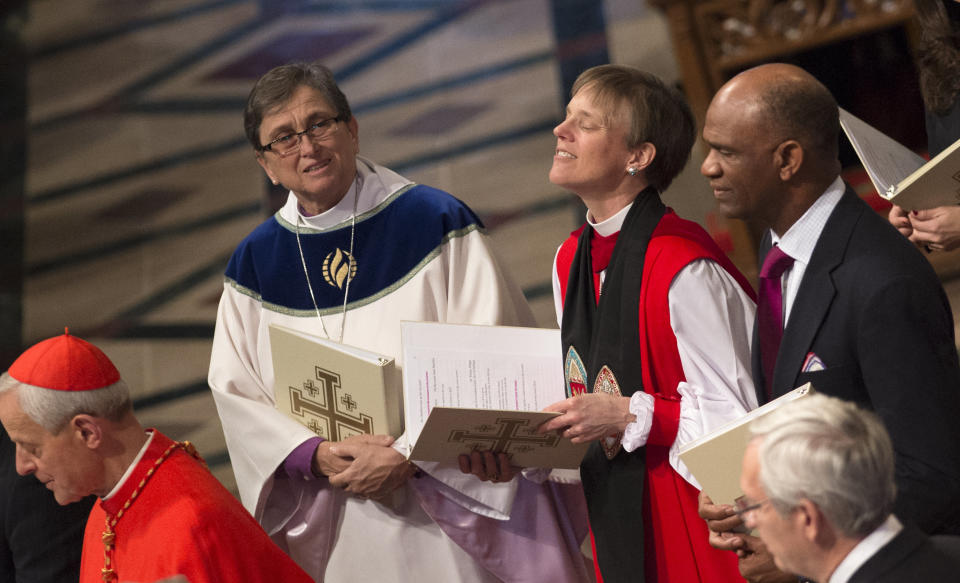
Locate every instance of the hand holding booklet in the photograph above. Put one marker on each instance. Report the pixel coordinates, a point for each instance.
(900, 175)
(472, 388)
(333, 389)
(715, 458)
(463, 388)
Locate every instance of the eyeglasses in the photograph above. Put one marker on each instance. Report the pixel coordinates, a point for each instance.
(743, 505)
(289, 143)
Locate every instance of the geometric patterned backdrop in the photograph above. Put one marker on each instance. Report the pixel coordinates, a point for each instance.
(138, 182)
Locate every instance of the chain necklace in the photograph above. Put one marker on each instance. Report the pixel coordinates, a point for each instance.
(109, 536)
(350, 263)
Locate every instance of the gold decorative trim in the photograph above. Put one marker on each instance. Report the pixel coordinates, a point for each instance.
(606, 382)
(337, 266)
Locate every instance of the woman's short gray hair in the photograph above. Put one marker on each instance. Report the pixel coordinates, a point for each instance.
(53, 409)
(832, 453)
(277, 86)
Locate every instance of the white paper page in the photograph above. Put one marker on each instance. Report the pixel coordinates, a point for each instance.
(484, 367)
(886, 160)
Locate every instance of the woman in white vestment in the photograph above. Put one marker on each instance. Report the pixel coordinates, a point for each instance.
(402, 251)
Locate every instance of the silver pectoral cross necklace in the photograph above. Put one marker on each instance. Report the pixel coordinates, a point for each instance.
(350, 261)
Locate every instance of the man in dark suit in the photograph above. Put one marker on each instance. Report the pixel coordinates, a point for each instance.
(40, 541)
(818, 484)
(866, 318)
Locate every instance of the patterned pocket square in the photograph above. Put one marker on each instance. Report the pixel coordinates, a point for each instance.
(813, 363)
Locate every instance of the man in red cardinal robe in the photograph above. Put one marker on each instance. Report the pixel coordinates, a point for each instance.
(160, 512)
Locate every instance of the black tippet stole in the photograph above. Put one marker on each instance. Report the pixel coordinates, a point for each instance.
(607, 334)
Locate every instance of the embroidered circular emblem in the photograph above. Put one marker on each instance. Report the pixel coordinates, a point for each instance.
(607, 383)
(575, 374)
(337, 266)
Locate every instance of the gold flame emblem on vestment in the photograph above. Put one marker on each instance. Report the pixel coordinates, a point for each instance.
(338, 266)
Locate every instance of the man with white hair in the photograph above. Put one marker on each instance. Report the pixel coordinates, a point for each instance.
(818, 484)
(160, 512)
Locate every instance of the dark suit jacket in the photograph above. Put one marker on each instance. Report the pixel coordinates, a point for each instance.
(40, 540)
(872, 309)
(912, 556)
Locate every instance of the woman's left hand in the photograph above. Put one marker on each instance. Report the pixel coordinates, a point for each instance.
(589, 417)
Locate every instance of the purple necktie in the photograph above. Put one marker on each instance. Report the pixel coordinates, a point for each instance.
(770, 311)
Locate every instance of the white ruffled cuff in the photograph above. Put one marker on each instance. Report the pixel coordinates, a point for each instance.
(636, 434)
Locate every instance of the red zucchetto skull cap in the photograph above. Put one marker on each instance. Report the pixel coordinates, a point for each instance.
(65, 363)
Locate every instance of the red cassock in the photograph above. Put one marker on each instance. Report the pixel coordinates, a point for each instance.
(182, 522)
(676, 538)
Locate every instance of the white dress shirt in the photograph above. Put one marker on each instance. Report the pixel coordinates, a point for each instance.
(801, 238)
(865, 549)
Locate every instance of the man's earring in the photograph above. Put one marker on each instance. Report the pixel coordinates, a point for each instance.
(632, 171)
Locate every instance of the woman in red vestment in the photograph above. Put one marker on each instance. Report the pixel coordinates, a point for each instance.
(656, 325)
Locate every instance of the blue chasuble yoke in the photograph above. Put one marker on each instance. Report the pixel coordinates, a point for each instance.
(393, 241)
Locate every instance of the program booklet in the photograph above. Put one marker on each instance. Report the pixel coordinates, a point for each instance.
(715, 459)
(472, 388)
(333, 389)
(900, 175)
